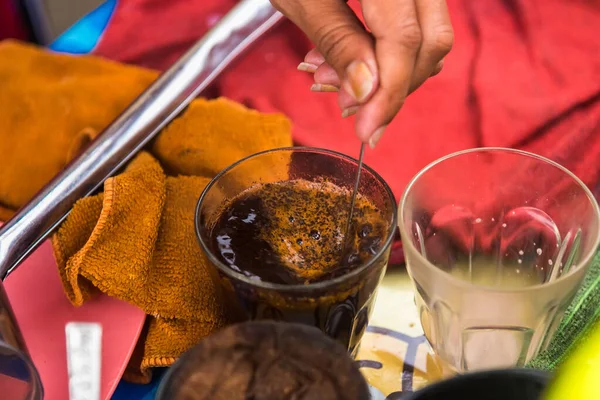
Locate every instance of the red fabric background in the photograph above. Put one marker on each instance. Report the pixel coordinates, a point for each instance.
(523, 74)
(12, 24)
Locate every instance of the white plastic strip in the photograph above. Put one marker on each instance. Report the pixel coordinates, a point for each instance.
(84, 349)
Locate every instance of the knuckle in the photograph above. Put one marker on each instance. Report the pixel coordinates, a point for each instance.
(442, 40)
(411, 35)
(333, 41)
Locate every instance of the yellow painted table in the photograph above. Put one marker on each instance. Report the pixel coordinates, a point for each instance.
(394, 355)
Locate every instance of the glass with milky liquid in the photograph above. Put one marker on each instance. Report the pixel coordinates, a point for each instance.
(497, 242)
(340, 306)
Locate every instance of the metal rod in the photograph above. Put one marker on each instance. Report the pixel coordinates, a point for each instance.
(144, 118)
(355, 190)
(348, 234)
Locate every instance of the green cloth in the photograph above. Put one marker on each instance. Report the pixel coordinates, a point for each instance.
(581, 316)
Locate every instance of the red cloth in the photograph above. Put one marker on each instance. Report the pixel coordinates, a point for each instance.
(12, 24)
(523, 74)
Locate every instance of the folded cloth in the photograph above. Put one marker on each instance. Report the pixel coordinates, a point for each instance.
(134, 241)
(581, 317)
(50, 113)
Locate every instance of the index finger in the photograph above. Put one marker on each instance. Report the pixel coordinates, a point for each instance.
(395, 27)
(334, 28)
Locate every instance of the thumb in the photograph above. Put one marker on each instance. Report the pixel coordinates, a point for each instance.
(342, 40)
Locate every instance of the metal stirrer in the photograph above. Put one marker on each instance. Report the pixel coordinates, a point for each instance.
(355, 191)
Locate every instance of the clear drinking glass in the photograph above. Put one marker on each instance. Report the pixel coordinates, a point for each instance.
(19, 379)
(497, 242)
(339, 306)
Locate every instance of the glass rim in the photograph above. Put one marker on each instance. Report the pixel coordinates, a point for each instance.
(459, 282)
(34, 381)
(297, 287)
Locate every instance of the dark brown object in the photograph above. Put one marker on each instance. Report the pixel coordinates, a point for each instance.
(292, 232)
(265, 361)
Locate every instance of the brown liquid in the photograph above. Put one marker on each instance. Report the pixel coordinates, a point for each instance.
(293, 233)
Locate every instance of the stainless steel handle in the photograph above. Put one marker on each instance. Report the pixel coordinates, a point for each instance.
(146, 116)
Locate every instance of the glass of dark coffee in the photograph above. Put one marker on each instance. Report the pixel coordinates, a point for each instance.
(275, 227)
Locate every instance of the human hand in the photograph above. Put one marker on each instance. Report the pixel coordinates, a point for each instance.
(373, 70)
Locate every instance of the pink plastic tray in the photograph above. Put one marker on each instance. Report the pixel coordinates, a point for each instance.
(42, 311)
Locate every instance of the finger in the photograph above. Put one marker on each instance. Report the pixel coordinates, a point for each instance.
(346, 101)
(350, 111)
(350, 107)
(323, 87)
(327, 75)
(323, 72)
(395, 26)
(438, 38)
(312, 61)
(307, 67)
(340, 38)
(314, 56)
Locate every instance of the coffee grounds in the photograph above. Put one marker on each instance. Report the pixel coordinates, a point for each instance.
(294, 232)
(266, 361)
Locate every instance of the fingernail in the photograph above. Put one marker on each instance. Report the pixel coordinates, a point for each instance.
(375, 137)
(307, 67)
(360, 80)
(438, 68)
(347, 112)
(323, 87)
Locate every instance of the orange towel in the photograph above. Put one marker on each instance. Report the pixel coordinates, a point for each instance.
(135, 241)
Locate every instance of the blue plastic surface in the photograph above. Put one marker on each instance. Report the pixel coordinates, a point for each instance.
(82, 37)
(130, 391)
